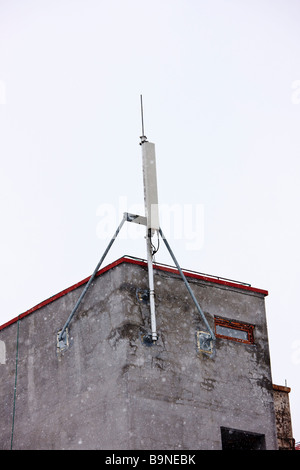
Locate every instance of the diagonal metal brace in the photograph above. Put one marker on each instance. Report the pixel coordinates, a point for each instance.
(187, 285)
(62, 334)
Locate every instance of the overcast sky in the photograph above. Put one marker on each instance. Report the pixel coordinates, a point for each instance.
(221, 90)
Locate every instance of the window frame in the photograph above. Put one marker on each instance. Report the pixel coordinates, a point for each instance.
(235, 325)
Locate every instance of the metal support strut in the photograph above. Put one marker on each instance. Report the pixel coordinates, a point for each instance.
(62, 336)
(63, 331)
(187, 285)
(151, 289)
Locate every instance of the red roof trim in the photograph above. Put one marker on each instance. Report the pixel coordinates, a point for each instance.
(139, 262)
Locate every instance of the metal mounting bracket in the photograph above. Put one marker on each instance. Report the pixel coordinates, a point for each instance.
(62, 336)
(204, 342)
(62, 341)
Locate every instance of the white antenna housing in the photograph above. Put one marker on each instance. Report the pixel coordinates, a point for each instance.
(150, 186)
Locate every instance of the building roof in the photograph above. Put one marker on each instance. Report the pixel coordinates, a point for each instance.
(137, 261)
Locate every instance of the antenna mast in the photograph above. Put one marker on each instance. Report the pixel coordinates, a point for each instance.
(151, 222)
(151, 212)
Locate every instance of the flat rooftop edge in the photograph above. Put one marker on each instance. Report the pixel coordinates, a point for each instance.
(141, 262)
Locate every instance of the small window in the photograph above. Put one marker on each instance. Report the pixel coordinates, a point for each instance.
(234, 439)
(233, 330)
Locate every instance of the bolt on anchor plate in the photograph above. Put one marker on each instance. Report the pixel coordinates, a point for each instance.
(63, 343)
(204, 342)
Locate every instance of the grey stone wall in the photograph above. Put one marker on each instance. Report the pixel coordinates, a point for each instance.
(112, 390)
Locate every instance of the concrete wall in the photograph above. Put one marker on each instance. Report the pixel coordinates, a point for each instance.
(283, 418)
(110, 390)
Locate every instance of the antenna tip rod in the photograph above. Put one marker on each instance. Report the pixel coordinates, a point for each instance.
(143, 137)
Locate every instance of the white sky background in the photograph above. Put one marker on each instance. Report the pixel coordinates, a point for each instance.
(221, 102)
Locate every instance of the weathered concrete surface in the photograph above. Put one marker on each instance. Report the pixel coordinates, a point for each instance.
(109, 390)
(283, 418)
